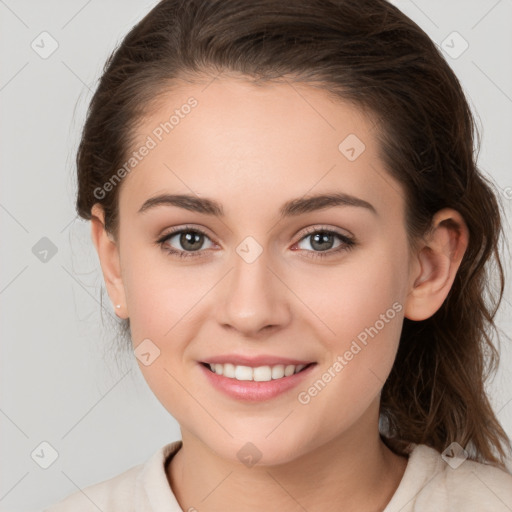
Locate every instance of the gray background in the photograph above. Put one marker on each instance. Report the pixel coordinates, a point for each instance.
(60, 382)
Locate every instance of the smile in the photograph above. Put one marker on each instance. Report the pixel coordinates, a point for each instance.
(258, 374)
(255, 384)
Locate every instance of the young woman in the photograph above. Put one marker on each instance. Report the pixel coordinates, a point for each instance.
(292, 225)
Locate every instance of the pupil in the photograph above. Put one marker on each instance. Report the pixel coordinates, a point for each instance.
(187, 239)
(325, 240)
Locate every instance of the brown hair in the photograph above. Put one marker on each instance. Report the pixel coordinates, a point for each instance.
(369, 53)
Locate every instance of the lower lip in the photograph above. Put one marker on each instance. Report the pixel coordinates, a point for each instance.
(251, 391)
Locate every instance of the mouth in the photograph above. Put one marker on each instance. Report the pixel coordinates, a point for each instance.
(251, 384)
(263, 373)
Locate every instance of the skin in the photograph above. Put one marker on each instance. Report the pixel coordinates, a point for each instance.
(252, 148)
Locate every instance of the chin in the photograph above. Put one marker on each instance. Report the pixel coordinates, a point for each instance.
(257, 451)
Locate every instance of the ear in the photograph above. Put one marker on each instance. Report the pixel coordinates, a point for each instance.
(435, 264)
(108, 253)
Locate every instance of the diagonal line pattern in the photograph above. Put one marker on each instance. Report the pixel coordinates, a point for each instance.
(14, 76)
(301, 300)
(289, 83)
(198, 402)
(486, 14)
(216, 487)
(491, 490)
(211, 82)
(376, 376)
(424, 14)
(13, 218)
(420, 491)
(88, 292)
(279, 483)
(17, 483)
(194, 305)
(76, 14)
(68, 224)
(3, 3)
(14, 424)
(76, 75)
(492, 81)
(280, 423)
(96, 404)
(79, 489)
(503, 407)
(12, 280)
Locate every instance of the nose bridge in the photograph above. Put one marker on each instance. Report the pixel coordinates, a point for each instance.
(254, 297)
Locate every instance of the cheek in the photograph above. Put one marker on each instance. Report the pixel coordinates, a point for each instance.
(362, 305)
(353, 295)
(162, 295)
(154, 292)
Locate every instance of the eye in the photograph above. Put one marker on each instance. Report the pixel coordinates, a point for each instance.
(322, 240)
(190, 239)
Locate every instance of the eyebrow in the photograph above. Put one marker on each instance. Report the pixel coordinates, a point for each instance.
(291, 208)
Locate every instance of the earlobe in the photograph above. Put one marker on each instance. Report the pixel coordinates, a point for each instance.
(108, 253)
(438, 260)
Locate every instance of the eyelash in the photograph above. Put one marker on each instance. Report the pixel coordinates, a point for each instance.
(347, 243)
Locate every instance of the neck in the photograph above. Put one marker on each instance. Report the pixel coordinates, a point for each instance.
(355, 469)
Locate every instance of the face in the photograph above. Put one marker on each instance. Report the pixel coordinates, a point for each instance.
(275, 275)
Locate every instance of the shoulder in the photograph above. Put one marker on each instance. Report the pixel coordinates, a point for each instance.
(103, 496)
(475, 486)
(432, 482)
(137, 488)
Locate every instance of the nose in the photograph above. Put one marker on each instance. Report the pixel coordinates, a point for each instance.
(254, 298)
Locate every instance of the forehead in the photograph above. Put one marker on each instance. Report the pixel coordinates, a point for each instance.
(232, 138)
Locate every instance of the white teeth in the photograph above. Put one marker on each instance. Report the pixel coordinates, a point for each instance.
(243, 373)
(228, 370)
(259, 374)
(278, 371)
(262, 373)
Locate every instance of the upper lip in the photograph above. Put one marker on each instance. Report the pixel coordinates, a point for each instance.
(254, 362)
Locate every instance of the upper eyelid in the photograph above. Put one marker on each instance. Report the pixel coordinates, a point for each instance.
(315, 228)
